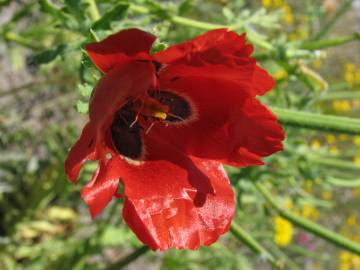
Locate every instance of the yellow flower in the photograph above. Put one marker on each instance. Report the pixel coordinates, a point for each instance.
(356, 102)
(317, 63)
(288, 14)
(326, 195)
(280, 74)
(344, 137)
(357, 160)
(351, 220)
(349, 67)
(349, 77)
(283, 231)
(278, 3)
(310, 212)
(345, 260)
(315, 144)
(356, 192)
(357, 140)
(266, 3)
(288, 204)
(349, 261)
(356, 261)
(330, 138)
(357, 76)
(341, 105)
(308, 186)
(334, 150)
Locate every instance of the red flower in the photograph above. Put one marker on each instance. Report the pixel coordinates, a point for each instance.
(163, 124)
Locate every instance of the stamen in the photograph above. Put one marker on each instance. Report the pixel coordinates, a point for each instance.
(176, 116)
(160, 115)
(134, 122)
(149, 128)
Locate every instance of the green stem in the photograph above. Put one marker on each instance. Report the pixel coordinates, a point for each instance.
(128, 259)
(340, 95)
(334, 163)
(317, 121)
(255, 246)
(93, 35)
(203, 25)
(343, 86)
(93, 10)
(327, 43)
(344, 7)
(345, 183)
(308, 225)
(291, 265)
(21, 41)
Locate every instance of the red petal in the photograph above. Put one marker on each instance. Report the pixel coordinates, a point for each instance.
(262, 81)
(219, 53)
(116, 48)
(103, 186)
(84, 149)
(213, 43)
(118, 86)
(230, 126)
(165, 210)
(113, 90)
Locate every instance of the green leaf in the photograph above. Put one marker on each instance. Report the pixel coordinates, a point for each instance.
(47, 56)
(82, 107)
(185, 6)
(115, 14)
(85, 89)
(48, 7)
(75, 7)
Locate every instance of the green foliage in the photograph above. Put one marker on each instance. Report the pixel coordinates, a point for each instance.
(117, 13)
(315, 180)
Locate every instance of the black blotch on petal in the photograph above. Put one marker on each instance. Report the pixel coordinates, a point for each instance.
(127, 140)
(179, 106)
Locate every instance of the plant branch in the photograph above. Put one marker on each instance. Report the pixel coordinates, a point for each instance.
(255, 246)
(308, 225)
(202, 25)
(339, 95)
(93, 10)
(327, 43)
(128, 259)
(12, 37)
(317, 121)
(327, 27)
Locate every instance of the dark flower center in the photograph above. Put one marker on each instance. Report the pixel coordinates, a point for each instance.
(137, 117)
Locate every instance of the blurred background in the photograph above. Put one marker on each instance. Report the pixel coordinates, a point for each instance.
(311, 48)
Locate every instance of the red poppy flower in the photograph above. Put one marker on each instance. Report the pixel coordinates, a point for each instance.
(163, 124)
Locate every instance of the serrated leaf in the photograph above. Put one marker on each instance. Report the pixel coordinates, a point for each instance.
(115, 14)
(82, 107)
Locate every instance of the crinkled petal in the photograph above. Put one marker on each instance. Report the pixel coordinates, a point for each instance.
(229, 125)
(164, 210)
(117, 48)
(103, 186)
(212, 43)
